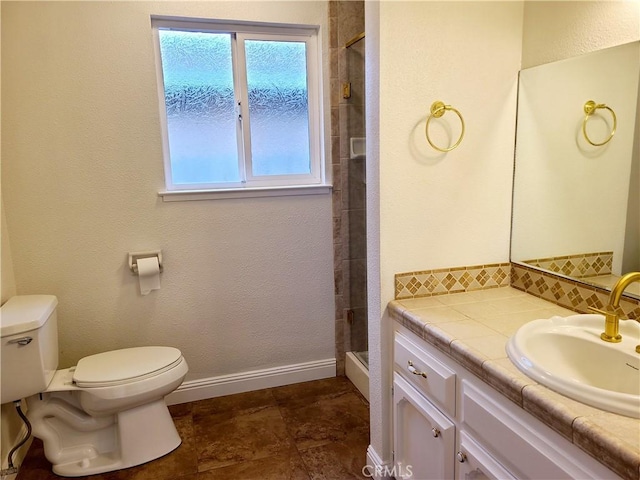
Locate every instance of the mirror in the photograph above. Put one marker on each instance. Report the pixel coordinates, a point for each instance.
(576, 205)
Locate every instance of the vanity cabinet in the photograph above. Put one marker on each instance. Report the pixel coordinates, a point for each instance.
(450, 424)
(424, 437)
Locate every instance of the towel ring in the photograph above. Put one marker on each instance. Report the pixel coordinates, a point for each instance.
(438, 109)
(589, 109)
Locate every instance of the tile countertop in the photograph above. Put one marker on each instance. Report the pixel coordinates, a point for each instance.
(473, 328)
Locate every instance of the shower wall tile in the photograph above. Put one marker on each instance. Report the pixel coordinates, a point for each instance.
(346, 287)
(336, 173)
(358, 282)
(351, 16)
(346, 234)
(337, 233)
(359, 332)
(333, 8)
(335, 94)
(337, 203)
(335, 151)
(343, 120)
(355, 119)
(355, 176)
(333, 31)
(357, 235)
(335, 121)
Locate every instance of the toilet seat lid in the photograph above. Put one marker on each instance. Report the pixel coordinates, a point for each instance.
(124, 366)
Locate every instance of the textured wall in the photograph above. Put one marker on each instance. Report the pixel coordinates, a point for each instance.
(436, 210)
(556, 30)
(8, 280)
(248, 283)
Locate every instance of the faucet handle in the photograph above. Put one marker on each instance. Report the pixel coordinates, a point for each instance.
(597, 310)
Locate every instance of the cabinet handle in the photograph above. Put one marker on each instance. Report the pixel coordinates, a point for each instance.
(436, 432)
(461, 457)
(413, 370)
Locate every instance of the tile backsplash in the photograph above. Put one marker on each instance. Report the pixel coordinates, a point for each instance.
(442, 281)
(576, 266)
(574, 295)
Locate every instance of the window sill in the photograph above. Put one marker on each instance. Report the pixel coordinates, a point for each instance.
(256, 192)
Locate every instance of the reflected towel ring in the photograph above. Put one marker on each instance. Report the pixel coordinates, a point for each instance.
(589, 109)
(438, 109)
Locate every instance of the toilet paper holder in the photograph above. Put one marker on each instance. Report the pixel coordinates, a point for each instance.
(135, 256)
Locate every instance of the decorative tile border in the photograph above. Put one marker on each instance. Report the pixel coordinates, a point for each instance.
(570, 294)
(442, 281)
(577, 266)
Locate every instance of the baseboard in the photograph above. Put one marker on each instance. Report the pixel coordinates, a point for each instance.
(376, 468)
(357, 373)
(211, 387)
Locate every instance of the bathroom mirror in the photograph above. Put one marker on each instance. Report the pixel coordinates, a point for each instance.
(576, 206)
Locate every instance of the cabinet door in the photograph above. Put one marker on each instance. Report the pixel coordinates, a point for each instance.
(424, 439)
(475, 463)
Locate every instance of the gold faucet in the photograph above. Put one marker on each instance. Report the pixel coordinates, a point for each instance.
(611, 318)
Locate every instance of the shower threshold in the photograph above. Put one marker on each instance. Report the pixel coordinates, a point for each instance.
(358, 371)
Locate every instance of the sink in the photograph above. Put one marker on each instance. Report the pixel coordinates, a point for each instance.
(567, 355)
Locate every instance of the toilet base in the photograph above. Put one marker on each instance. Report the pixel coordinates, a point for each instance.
(131, 437)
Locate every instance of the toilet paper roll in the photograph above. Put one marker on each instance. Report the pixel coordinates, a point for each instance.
(148, 274)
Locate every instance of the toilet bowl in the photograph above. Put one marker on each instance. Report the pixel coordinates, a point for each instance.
(106, 413)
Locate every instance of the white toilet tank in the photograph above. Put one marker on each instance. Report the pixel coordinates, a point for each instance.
(29, 348)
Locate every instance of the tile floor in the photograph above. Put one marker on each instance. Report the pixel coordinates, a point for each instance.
(313, 431)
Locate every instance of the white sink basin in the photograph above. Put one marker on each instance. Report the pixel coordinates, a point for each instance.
(568, 356)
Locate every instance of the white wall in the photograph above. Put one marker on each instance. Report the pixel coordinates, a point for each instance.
(557, 30)
(10, 423)
(8, 279)
(436, 210)
(248, 283)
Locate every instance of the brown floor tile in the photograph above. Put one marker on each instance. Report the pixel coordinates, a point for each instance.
(301, 394)
(248, 436)
(224, 408)
(283, 466)
(311, 430)
(337, 460)
(327, 420)
(181, 409)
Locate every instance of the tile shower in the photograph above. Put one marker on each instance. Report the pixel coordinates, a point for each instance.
(346, 20)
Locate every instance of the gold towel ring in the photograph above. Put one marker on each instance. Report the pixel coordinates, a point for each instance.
(438, 109)
(589, 108)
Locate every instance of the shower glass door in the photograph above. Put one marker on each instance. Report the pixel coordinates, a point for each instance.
(356, 213)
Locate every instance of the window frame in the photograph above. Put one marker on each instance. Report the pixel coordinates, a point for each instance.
(286, 184)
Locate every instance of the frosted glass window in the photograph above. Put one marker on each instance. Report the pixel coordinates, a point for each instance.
(240, 105)
(278, 108)
(200, 105)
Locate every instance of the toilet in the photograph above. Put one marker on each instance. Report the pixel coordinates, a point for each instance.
(106, 413)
